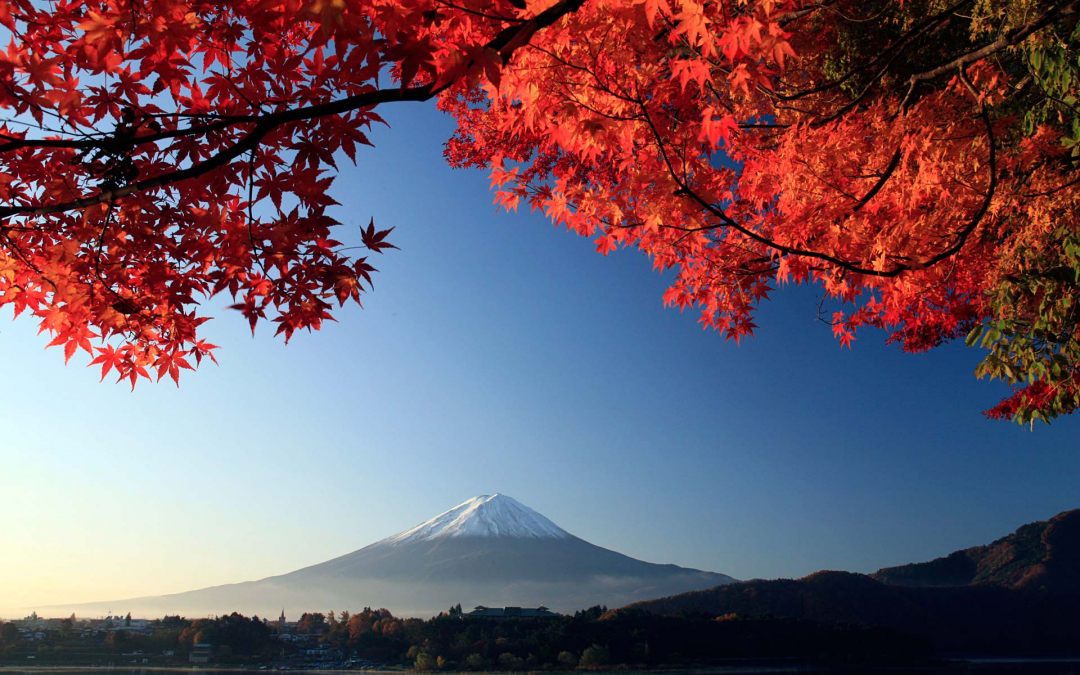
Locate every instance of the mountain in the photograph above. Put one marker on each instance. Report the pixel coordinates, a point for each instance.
(985, 620)
(1019, 594)
(1042, 555)
(489, 550)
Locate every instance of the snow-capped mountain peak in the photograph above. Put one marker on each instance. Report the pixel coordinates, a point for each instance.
(493, 515)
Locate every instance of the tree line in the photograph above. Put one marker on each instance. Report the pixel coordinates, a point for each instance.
(592, 638)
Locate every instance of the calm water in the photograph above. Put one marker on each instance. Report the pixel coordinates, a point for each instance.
(972, 667)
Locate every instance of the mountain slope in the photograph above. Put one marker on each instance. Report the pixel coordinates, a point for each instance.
(1018, 595)
(970, 619)
(489, 550)
(1040, 555)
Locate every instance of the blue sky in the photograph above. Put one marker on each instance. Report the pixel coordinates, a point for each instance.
(498, 353)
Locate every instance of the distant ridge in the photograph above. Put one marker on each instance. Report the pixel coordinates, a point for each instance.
(1018, 594)
(1041, 555)
(489, 550)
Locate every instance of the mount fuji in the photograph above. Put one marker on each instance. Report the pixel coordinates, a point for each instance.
(489, 550)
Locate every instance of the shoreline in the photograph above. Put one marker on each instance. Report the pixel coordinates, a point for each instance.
(748, 667)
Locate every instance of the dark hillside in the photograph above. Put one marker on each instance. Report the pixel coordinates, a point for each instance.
(1043, 555)
(1018, 595)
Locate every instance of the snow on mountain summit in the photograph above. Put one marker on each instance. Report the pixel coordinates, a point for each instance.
(484, 516)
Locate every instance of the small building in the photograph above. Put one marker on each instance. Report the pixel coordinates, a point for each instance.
(201, 653)
(481, 612)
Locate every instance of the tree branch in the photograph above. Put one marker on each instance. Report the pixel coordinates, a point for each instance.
(505, 43)
(727, 221)
(1013, 37)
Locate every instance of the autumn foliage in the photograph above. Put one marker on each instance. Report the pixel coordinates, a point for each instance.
(916, 159)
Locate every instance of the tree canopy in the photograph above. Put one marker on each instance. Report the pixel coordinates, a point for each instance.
(916, 159)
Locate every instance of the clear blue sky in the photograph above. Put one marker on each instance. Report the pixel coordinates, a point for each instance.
(498, 353)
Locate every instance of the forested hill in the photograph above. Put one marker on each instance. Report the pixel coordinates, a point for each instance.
(1020, 594)
(1040, 555)
(971, 619)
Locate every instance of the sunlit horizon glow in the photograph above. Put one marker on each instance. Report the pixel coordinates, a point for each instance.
(497, 354)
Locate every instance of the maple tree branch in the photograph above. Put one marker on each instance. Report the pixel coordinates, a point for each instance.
(888, 54)
(13, 246)
(893, 51)
(983, 208)
(505, 43)
(1012, 37)
(256, 250)
(476, 12)
(727, 221)
(122, 304)
(1047, 193)
(794, 15)
(868, 19)
(885, 175)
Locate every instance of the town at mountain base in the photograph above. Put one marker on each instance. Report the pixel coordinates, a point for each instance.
(1017, 595)
(489, 550)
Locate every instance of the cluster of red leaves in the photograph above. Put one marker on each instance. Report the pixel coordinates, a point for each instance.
(1038, 395)
(155, 153)
(139, 174)
(719, 137)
